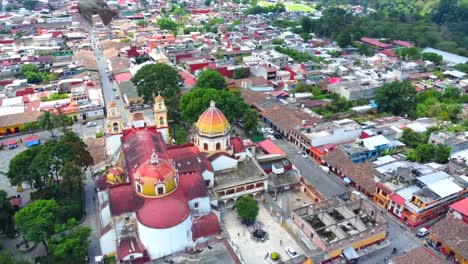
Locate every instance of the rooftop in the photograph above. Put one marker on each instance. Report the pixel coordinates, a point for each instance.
(454, 233)
(246, 172)
(417, 256)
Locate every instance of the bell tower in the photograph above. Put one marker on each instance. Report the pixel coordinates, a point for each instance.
(160, 118)
(114, 119)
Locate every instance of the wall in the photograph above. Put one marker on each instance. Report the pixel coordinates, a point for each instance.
(106, 216)
(108, 243)
(163, 242)
(224, 163)
(204, 206)
(336, 138)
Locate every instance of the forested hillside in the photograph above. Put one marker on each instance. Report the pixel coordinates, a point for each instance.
(442, 24)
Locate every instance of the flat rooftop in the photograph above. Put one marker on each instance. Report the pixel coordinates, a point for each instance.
(245, 172)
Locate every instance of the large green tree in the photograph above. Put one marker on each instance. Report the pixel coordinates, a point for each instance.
(7, 258)
(167, 23)
(153, 79)
(36, 220)
(194, 103)
(72, 178)
(396, 98)
(247, 208)
(211, 79)
(72, 248)
(6, 213)
(19, 168)
(46, 121)
(250, 121)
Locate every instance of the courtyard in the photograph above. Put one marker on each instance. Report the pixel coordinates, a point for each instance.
(253, 251)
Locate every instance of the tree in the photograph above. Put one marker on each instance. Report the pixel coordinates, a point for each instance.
(425, 152)
(239, 73)
(431, 56)
(72, 178)
(442, 153)
(167, 23)
(33, 77)
(46, 122)
(72, 248)
(142, 23)
(19, 168)
(62, 121)
(413, 139)
(307, 24)
(154, 79)
(6, 213)
(396, 97)
(207, 2)
(30, 127)
(250, 121)
(36, 220)
(28, 68)
(194, 103)
(30, 4)
(462, 67)
(211, 79)
(7, 258)
(247, 208)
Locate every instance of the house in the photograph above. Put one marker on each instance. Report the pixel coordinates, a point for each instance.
(417, 255)
(457, 141)
(355, 90)
(370, 148)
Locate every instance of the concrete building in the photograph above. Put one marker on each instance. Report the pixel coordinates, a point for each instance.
(341, 227)
(355, 90)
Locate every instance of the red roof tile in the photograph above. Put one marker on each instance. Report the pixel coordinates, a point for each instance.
(269, 147)
(123, 77)
(205, 226)
(129, 245)
(461, 207)
(397, 199)
(122, 199)
(375, 42)
(193, 186)
(16, 201)
(237, 145)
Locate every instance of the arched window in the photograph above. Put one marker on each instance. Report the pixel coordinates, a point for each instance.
(161, 120)
(205, 146)
(160, 189)
(115, 127)
(218, 146)
(138, 187)
(160, 106)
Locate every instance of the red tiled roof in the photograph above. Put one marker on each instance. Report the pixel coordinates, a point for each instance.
(452, 232)
(122, 199)
(187, 158)
(123, 77)
(397, 199)
(129, 245)
(101, 183)
(164, 212)
(375, 42)
(461, 207)
(417, 256)
(16, 201)
(402, 43)
(269, 147)
(205, 226)
(237, 145)
(193, 186)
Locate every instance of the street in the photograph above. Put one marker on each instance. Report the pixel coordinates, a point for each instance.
(106, 86)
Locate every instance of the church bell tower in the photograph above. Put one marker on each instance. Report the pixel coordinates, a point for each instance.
(160, 118)
(114, 119)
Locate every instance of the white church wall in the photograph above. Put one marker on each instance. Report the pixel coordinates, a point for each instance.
(106, 216)
(108, 244)
(208, 175)
(224, 163)
(203, 205)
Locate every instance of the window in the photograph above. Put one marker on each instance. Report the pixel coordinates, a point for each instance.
(138, 187)
(207, 182)
(218, 146)
(196, 205)
(205, 146)
(160, 189)
(161, 120)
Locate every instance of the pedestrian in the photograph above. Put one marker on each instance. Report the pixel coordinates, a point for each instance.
(266, 256)
(281, 242)
(21, 140)
(238, 234)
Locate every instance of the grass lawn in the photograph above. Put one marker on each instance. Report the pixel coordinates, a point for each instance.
(291, 7)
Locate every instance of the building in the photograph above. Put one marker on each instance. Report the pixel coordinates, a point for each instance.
(333, 132)
(418, 255)
(370, 148)
(341, 227)
(457, 141)
(160, 118)
(450, 234)
(355, 90)
(151, 206)
(271, 58)
(114, 119)
(212, 130)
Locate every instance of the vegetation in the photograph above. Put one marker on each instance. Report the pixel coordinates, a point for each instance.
(298, 56)
(247, 208)
(6, 214)
(99, 134)
(256, 9)
(239, 73)
(194, 103)
(142, 23)
(420, 150)
(7, 258)
(445, 106)
(275, 256)
(396, 97)
(211, 79)
(54, 97)
(71, 248)
(33, 75)
(338, 105)
(154, 79)
(167, 23)
(250, 121)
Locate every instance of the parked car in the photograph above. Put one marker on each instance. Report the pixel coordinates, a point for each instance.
(270, 137)
(304, 155)
(117, 96)
(422, 232)
(91, 124)
(278, 136)
(270, 130)
(291, 252)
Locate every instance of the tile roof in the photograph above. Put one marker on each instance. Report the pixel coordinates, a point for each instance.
(461, 206)
(362, 174)
(19, 118)
(271, 148)
(286, 118)
(237, 145)
(417, 256)
(205, 226)
(453, 232)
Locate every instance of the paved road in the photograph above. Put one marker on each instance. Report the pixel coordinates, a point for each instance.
(91, 220)
(326, 184)
(106, 86)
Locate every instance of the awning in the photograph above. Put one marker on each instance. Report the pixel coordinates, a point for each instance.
(11, 142)
(347, 180)
(397, 199)
(350, 253)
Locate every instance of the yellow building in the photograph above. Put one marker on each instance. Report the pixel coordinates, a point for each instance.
(13, 123)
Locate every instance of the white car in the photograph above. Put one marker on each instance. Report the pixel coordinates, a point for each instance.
(270, 137)
(269, 130)
(262, 129)
(291, 252)
(91, 124)
(304, 155)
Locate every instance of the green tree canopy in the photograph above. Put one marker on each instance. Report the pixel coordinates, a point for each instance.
(431, 56)
(247, 208)
(167, 23)
(28, 68)
(161, 78)
(396, 98)
(211, 79)
(72, 178)
(7, 258)
(36, 220)
(6, 213)
(239, 73)
(72, 248)
(194, 103)
(142, 23)
(19, 167)
(46, 121)
(250, 121)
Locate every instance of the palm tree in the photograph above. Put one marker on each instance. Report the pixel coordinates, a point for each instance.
(46, 122)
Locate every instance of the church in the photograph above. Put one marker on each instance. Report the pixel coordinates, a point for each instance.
(155, 200)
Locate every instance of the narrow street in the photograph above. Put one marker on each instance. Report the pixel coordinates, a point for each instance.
(91, 221)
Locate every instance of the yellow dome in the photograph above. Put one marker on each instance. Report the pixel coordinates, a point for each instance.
(212, 122)
(115, 175)
(156, 173)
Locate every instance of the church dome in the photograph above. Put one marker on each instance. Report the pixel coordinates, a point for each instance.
(115, 175)
(212, 122)
(156, 177)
